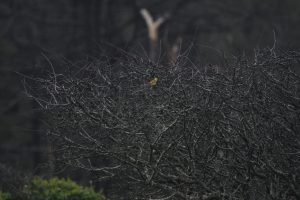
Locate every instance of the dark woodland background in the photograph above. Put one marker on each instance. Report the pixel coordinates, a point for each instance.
(75, 30)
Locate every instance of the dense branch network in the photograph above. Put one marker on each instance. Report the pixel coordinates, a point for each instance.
(199, 133)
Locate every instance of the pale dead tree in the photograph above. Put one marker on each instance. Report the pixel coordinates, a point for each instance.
(153, 31)
(174, 51)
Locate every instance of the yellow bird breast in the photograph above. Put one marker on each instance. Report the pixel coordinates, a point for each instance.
(153, 82)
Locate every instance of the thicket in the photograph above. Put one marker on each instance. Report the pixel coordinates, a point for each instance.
(5, 196)
(181, 131)
(53, 189)
(59, 189)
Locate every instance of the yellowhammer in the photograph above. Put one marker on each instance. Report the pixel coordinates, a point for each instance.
(153, 82)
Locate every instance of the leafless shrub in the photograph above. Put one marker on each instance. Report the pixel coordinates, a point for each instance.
(180, 131)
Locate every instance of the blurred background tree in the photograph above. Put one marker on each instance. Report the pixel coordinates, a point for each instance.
(75, 30)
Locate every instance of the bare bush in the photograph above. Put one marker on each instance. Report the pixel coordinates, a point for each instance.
(182, 131)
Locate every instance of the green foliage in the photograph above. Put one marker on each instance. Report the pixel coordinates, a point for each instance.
(5, 196)
(59, 189)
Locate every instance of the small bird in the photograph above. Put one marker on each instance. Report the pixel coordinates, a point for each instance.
(153, 82)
